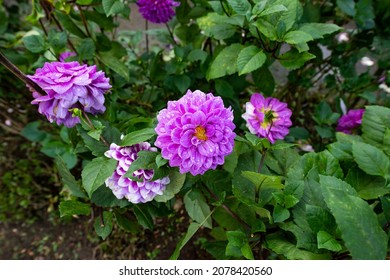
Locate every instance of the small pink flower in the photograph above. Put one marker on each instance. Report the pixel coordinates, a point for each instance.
(267, 117)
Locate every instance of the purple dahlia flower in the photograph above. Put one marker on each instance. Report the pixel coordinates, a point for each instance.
(133, 191)
(267, 117)
(350, 121)
(157, 11)
(195, 132)
(69, 85)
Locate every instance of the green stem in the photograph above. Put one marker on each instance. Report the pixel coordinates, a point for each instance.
(89, 122)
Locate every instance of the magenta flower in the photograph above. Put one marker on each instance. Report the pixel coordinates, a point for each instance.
(123, 187)
(267, 117)
(157, 11)
(65, 55)
(195, 132)
(69, 85)
(350, 121)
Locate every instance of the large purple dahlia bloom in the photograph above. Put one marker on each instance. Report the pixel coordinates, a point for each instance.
(195, 132)
(350, 121)
(69, 85)
(133, 191)
(267, 117)
(157, 11)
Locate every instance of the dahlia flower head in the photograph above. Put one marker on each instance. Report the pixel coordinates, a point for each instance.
(195, 133)
(157, 11)
(267, 117)
(69, 85)
(350, 121)
(141, 191)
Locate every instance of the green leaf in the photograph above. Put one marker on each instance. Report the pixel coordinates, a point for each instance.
(84, 2)
(73, 207)
(375, 123)
(216, 26)
(57, 40)
(68, 24)
(225, 63)
(126, 224)
(34, 43)
(86, 49)
(290, 251)
(138, 136)
(280, 214)
(250, 59)
(241, 7)
(297, 37)
(143, 216)
(293, 59)
(144, 160)
(263, 181)
(192, 229)
(264, 80)
(104, 197)
(357, 222)
(320, 219)
(109, 59)
(367, 186)
(112, 7)
(197, 207)
(327, 241)
(32, 132)
(273, 9)
(103, 225)
(319, 30)
(370, 159)
(238, 245)
(347, 6)
(96, 172)
(176, 183)
(68, 179)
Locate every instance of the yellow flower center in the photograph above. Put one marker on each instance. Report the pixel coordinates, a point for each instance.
(200, 133)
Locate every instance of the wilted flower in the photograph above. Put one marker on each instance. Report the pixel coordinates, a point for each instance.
(160, 11)
(136, 192)
(69, 85)
(195, 132)
(267, 117)
(350, 121)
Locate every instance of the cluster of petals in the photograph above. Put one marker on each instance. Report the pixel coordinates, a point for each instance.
(267, 117)
(69, 85)
(195, 132)
(157, 11)
(144, 189)
(350, 121)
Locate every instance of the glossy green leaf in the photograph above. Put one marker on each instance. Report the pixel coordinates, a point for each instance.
(103, 225)
(176, 183)
(138, 136)
(197, 207)
(327, 241)
(293, 59)
(112, 7)
(370, 159)
(34, 43)
(250, 59)
(96, 172)
(361, 233)
(225, 63)
(68, 179)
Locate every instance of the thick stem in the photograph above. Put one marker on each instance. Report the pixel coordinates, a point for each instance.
(19, 74)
